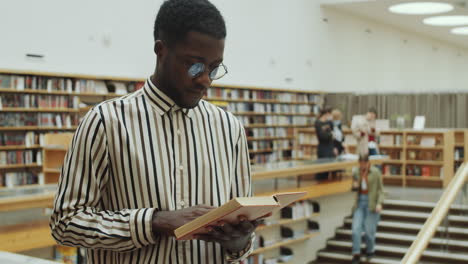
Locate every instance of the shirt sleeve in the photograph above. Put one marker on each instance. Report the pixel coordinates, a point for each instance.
(78, 219)
(381, 193)
(241, 186)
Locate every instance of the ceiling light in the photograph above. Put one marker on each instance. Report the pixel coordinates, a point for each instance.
(460, 31)
(421, 8)
(446, 21)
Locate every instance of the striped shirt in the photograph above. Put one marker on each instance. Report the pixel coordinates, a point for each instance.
(139, 153)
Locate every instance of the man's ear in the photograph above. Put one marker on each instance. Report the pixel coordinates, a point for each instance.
(159, 49)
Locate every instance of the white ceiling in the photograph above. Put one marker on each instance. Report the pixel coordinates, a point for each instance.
(377, 10)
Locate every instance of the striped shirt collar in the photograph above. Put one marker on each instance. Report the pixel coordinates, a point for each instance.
(161, 102)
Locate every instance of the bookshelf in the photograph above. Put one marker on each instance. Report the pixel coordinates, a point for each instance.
(291, 227)
(461, 147)
(34, 103)
(54, 150)
(271, 117)
(408, 156)
(307, 143)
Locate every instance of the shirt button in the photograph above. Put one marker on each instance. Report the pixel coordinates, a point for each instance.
(178, 131)
(182, 203)
(181, 167)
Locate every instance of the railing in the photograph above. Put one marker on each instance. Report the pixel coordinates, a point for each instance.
(438, 214)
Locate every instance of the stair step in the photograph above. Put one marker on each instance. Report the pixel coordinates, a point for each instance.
(408, 238)
(449, 256)
(413, 227)
(422, 216)
(346, 258)
(420, 205)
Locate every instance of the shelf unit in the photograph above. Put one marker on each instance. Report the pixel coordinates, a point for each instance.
(285, 109)
(398, 170)
(307, 143)
(461, 147)
(270, 117)
(284, 243)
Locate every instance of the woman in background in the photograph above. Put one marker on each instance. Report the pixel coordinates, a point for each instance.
(337, 133)
(323, 129)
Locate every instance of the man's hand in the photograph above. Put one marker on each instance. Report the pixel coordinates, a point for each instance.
(378, 208)
(232, 237)
(165, 222)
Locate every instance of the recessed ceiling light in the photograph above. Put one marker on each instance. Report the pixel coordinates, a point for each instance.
(421, 8)
(446, 21)
(460, 31)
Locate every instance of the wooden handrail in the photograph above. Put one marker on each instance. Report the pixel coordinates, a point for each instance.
(414, 253)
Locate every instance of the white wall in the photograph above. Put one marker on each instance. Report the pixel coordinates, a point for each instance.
(270, 43)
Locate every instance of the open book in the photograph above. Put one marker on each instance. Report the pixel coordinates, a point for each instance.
(251, 207)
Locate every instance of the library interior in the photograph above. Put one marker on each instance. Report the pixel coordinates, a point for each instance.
(248, 131)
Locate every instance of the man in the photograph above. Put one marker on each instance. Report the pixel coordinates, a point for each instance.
(367, 181)
(364, 129)
(142, 165)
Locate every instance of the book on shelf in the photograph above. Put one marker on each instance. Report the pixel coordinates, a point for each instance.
(382, 124)
(12, 179)
(428, 141)
(386, 140)
(417, 171)
(426, 171)
(251, 207)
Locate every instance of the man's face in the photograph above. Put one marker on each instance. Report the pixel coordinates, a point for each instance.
(364, 167)
(176, 60)
(370, 116)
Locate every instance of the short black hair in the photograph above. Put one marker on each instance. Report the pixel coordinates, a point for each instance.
(177, 17)
(325, 110)
(373, 110)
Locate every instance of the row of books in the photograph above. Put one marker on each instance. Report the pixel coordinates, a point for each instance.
(270, 132)
(306, 152)
(22, 82)
(270, 157)
(424, 171)
(307, 138)
(269, 144)
(276, 120)
(18, 138)
(20, 157)
(424, 155)
(390, 140)
(237, 94)
(269, 108)
(12, 179)
(425, 141)
(41, 101)
(389, 170)
(38, 119)
(459, 153)
(394, 154)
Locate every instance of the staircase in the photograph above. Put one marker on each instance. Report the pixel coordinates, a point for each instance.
(399, 225)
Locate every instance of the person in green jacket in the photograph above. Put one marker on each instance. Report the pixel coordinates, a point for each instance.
(367, 181)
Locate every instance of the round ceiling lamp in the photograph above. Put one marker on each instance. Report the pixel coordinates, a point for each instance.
(460, 31)
(448, 21)
(421, 8)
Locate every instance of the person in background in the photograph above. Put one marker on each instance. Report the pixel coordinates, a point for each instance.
(337, 133)
(323, 129)
(364, 129)
(367, 181)
(371, 118)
